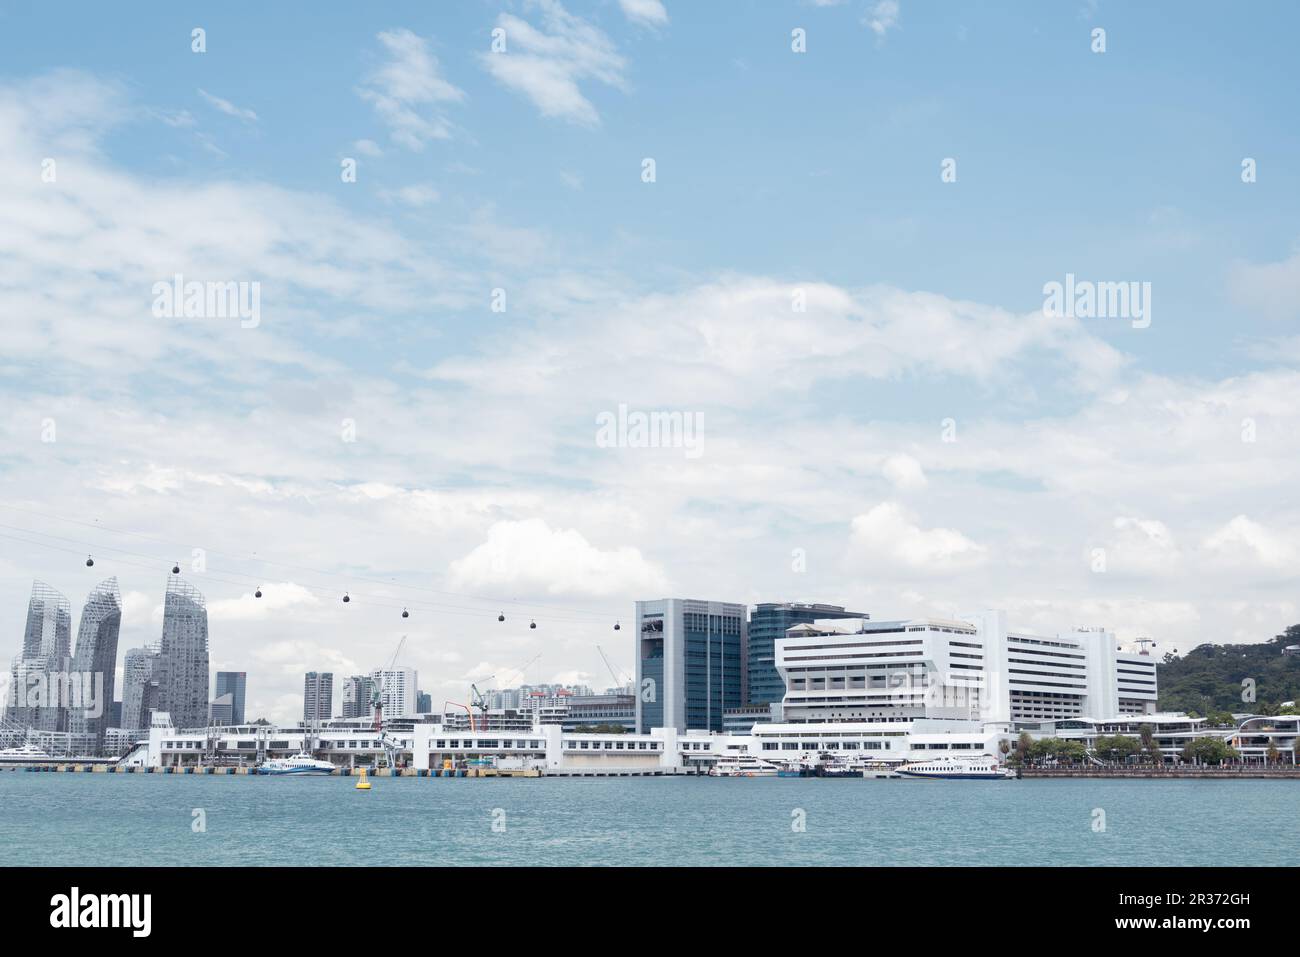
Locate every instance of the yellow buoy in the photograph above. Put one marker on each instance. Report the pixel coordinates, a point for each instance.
(363, 784)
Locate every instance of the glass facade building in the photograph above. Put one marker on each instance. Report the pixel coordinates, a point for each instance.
(690, 660)
(139, 694)
(46, 653)
(768, 622)
(233, 683)
(181, 667)
(96, 656)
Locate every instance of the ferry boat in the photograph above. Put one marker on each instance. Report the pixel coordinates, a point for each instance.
(960, 769)
(27, 752)
(744, 767)
(302, 763)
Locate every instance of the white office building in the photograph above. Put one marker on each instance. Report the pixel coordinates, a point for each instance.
(973, 668)
(397, 690)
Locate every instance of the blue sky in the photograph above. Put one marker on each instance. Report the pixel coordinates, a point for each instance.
(476, 473)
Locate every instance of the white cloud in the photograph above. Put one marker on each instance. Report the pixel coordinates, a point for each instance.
(276, 597)
(1271, 290)
(904, 472)
(889, 532)
(416, 195)
(1142, 546)
(882, 17)
(647, 12)
(1244, 540)
(406, 84)
(530, 554)
(225, 106)
(367, 148)
(547, 65)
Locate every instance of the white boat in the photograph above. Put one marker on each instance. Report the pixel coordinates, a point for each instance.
(302, 763)
(983, 768)
(736, 766)
(27, 752)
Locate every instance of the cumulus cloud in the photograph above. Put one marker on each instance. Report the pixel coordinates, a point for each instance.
(1244, 540)
(889, 532)
(277, 597)
(1141, 545)
(547, 65)
(529, 554)
(405, 87)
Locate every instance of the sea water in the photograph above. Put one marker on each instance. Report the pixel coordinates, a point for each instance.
(155, 819)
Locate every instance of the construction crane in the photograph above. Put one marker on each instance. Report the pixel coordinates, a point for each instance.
(618, 682)
(476, 700)
(390, 744)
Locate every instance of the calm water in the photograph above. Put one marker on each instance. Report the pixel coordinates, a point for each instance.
(65, 819)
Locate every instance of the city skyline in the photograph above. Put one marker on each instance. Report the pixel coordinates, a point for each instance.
(485, 359)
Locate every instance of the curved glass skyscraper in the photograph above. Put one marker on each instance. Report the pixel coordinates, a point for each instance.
(95, 661)
(181, 669)
(47, 646)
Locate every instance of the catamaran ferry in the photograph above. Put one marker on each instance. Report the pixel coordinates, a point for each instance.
(966, 769)
(298, 764)
(744, 767)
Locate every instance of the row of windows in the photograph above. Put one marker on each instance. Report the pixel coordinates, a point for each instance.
(611, 745)
(827, 746)
(454, 743)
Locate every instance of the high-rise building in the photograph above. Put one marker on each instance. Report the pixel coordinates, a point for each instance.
(396, 691)
(233, 683)
(45, 658)
(423, 702)
(221, 710)
(95, 661)
(690, 662)
(768, 622)
(357, 691)
(181, 668)
(317, 696)
(973, 668)
(139, 693)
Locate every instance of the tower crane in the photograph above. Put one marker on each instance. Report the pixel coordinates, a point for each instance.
(618, 682)
(390, 744)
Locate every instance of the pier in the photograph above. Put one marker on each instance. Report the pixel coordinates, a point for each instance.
(101, 768)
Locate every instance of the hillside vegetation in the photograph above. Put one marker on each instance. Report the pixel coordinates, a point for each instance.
(1207, 681)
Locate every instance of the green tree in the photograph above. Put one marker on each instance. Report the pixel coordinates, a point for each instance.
(1046, 750)
(1209, 750)
(1150, 749)
(1118, 747)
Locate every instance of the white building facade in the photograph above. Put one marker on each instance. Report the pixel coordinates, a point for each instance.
(973, 669)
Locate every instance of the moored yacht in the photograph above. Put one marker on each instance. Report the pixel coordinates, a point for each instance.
(26, 752)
